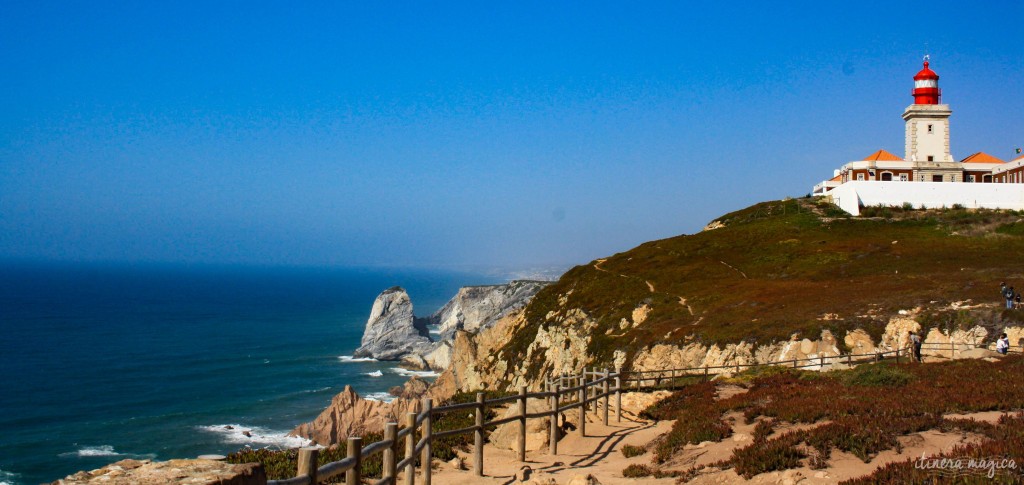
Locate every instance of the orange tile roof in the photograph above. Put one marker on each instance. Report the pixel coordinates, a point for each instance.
(1018, 158)
(839, 177)
(981, 157)
(883, 156)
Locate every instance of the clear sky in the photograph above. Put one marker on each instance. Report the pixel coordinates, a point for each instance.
(443, 134)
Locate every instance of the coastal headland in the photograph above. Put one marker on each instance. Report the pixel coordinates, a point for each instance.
(778, 281)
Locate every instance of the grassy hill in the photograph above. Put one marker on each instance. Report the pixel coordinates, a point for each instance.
(792, 266)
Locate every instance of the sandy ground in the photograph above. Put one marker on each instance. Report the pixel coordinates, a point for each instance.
(599, 454)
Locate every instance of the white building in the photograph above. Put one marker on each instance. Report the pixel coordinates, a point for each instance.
(928, 157)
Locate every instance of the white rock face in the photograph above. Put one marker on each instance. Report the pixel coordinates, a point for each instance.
(476, 307)
(392, 331)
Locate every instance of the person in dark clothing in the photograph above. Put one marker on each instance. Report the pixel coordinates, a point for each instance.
(1016, 301)
(915, 344)
(1009, 294)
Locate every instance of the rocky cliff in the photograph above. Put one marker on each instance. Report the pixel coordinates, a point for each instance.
(476, 307)
(392, 331)
(777, 281)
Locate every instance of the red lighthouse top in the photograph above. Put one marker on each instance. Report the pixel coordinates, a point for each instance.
(926, 86)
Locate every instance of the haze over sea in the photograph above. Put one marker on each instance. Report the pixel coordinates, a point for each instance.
(106, 362)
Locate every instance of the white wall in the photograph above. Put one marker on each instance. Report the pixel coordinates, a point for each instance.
(933, 195)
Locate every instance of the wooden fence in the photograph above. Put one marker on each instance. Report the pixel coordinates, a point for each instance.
(589, 391)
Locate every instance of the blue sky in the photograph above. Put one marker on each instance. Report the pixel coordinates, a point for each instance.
(446, 134)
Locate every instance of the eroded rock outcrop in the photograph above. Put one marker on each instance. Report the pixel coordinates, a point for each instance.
(392, 331)
(351, 415)
(147, 472)
(476, 307)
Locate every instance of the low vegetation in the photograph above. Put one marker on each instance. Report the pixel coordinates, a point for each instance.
(862, 411)
(776, 269)
(630, 451)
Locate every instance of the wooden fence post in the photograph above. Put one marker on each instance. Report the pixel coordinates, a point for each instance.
(582, 394)
(428, 431)
(897, 356)
(604, 390)
(618, 396)
(307, 463)
(705, 373)
(478, 454)
(391, 453)
(821, 363)
(794, 363)
(849, 359)
(522, 424)
(354, 476)
(410, 449)
(553, 445)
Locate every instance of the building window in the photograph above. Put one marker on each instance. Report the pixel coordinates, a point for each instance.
(936, 178)
(931, 158)
(886, 176)
(970, 178)
(986, 179)
(860, 176)
(903, 177)
(930, 129)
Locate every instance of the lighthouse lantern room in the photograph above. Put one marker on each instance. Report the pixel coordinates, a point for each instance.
(927, 130)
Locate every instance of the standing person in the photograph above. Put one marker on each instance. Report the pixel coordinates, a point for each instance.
(1003, 344)
(1009, 294)
(1016, 301)
(1002, 289)
(915, 344)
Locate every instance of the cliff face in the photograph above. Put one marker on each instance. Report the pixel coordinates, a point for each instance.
(476, 307)
(392, 331)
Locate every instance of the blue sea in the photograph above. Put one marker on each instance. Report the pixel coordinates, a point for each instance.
(104, 362)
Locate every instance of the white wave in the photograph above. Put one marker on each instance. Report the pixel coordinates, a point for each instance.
(375, 373)
(254, 435)
(349, 358)
(314, 391)
(379, 396)
(418, 373)
(435, 331)
(8, 478)
(90, 451)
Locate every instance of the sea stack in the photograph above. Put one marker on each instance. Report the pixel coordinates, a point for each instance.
(392, 330)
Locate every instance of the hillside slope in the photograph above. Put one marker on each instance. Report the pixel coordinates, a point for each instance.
(772, 271)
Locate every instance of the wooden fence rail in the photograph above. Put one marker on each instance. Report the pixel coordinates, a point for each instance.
(589, 391)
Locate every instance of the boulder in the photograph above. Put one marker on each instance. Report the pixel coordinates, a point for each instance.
(584, 480)
(392, 331)
(506, 436)
(414, 388)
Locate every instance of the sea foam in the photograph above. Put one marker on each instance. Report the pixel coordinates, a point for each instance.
(379, 396)
(90, 451)
(418, 373)
(254, 435)
(349, 358)
(375, 373)
(8, 478)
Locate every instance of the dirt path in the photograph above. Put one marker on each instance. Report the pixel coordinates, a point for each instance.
(598, 454)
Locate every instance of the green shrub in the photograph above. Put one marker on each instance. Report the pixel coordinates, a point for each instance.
(629, 451)
(877, 375)
(637, 471)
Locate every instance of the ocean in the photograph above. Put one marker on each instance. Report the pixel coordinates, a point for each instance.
(105, 362)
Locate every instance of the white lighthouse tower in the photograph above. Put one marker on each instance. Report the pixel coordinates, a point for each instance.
(927, 131)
